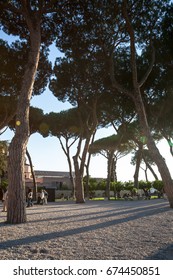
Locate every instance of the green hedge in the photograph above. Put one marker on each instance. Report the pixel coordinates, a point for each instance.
(119, 186)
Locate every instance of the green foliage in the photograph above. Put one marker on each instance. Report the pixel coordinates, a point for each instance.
(101, 185)
(145, 185)
(114, 142)
(4, 184)
(117, 186)
(65, 123)
(158, 185)
(129, 185)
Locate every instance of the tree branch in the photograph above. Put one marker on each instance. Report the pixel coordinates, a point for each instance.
(145, 77)
(11, 8)
(130, 30)
(115, 83)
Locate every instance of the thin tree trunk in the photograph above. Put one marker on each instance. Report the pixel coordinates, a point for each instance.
(67, 153)
(16, 190)
(79, 169)
(158, 159)
(146, 176)
(79, 188)
(109, 169)
(90, 127)
(138, 162)
(33, 174)
(151, 169)
(87, 168)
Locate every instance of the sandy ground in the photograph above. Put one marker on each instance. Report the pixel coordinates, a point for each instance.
(102, 230)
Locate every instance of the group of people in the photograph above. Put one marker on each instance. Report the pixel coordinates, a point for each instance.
(41, 197)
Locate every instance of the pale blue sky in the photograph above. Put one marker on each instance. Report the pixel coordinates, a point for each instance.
(47, 154)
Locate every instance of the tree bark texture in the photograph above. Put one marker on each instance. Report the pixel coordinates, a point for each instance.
(109, 171)
(79, 188)
(16, 212)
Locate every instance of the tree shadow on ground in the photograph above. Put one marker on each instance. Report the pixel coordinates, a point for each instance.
(107, 213)
(164, 253)
(81, 229)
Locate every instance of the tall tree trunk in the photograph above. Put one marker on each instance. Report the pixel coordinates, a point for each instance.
(90, 125)
(16, 212)
(109, 170)
(114, 169)
(66, 150)
(138, 162)
(87, 167)
(158, 159)
(79, 188)
(146, 175)
(139, 104)
(79, 169)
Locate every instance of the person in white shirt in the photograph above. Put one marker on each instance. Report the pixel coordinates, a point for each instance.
(30, 198)
(45, 196)
(42, 197)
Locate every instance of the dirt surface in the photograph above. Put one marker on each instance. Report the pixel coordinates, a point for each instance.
(98, 230)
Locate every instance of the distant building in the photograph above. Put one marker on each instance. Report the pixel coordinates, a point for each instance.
(53, 179)
(50, 179)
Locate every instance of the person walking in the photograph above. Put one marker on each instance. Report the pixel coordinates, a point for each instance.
(45, 196)
(42, 197)
(30, 198)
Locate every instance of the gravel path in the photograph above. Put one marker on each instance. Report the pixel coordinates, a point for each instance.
(95, 230)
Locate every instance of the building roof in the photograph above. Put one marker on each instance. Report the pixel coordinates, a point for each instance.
(44, 173)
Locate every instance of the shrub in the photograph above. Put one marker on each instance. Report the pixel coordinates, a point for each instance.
(101, 185)
(145, 185)
(128, 186)
(4, 184)
(158, 185)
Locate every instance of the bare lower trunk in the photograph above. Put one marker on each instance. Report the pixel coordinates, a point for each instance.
(79, 188)
(16, 212)
(87, 167)
(16, 189)
(79, 169)
(110, 162)
(87, 182)
(114, 169)
(138, 162)
(66, 150)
